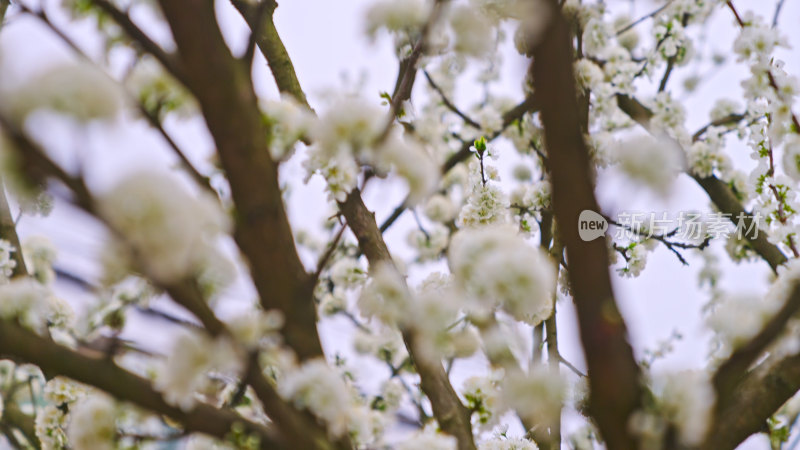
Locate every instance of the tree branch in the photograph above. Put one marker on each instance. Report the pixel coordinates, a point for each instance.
(718, 191)
(199, 178)
(14, 417)
(777, 14)
(262, 231)
(449, 104)
(271, 46)
(3, 8)
(731, 372)
(762, 391)
(296, 425)
(451, 414)
(8, 232)
(142, 39)
(729, 119)
(407, 72)
(509, 117)
(103, 374)
(614, 377)
(530, 104)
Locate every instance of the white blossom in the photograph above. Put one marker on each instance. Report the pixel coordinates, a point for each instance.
(724, 107)
(687, 400)
(39, 255)
(386, 344)
(168, 228)
(392, 393)
(350, 126)
(431, 242)
(7, 264)
(739, 317)
(396, 16)
(27, 302)
(332, 302)
(482, 396)
(60, 390)
(320, 389)
(506, 443)
(636, 260)
(588, 73)
(791, 158)
(497, 266)
(534, 196)
(758, 41)
(386, 296)
(649, 161)
(78, 90)
(250, 327)
(595, 37)
(534, 395)
(92, 423)
(704, 159)
(412, 163)
(486, 204)
(340, 172)
(472, 31)
(672, 37)
(429, 439)
(668, 115)
(50, 425)
(289, 122)
(157, 91)
(193, 355)
(348, 273)
(630, 38)
(440, 208)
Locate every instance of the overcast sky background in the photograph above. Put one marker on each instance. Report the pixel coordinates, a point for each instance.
(330, 52)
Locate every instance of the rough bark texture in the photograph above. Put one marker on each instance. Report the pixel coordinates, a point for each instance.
(614, 377)
(756, 398)
(271, 46)
(222, 87)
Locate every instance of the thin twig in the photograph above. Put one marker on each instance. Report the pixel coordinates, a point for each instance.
(775, 16)
(643, 18)
(325, 258)
(408, 69)
(137, 35)
(571, 367)
(671, 61)
(672, 246)
(450, 104)
(509, 117)
(727, 120)
(261, 10)
(735, 14)
(149, 311)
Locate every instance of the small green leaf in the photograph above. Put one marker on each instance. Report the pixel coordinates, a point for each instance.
(480, 144)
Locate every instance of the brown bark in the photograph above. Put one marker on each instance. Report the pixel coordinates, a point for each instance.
(222, 86)
(718, 191)
(450, 413)
(614, 377)
(103, 374)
